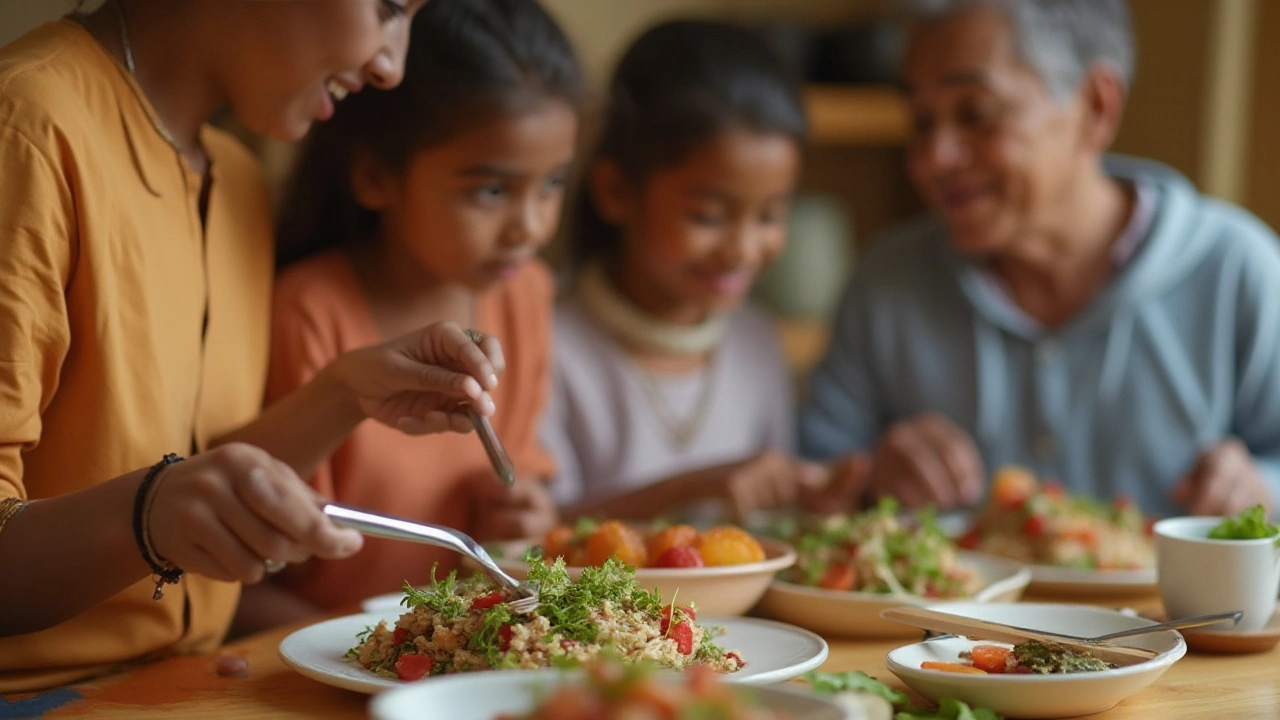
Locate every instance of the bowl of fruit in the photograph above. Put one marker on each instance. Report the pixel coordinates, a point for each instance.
(722, 570)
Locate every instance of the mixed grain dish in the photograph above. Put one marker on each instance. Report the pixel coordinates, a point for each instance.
(458, 626)
(1042, 524)
(879, 552)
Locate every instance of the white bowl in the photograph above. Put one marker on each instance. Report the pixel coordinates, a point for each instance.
(857, 614)
(482, 696)
(1038, 696)
(720, 590)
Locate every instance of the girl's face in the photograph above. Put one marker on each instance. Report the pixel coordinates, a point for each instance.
(698, 233)
(288, 62)
(477, 207)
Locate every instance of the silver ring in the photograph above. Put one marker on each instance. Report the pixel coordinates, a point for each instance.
(474, 335)
(274, 566)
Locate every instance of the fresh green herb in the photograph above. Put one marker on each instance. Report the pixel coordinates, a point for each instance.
(568, 605)
(858, 681)
(361, 638)
(488, 639)
(949, 709)
(442, 597)
(855, 681)
(583, 528)
(1051, 658)
(1248, 525)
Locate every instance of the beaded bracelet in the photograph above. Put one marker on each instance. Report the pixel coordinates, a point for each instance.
(9, 509)
(162, 571)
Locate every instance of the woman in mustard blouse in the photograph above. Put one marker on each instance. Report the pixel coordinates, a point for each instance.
(136, 257)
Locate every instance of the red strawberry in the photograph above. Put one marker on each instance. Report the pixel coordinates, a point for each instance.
(685, 556)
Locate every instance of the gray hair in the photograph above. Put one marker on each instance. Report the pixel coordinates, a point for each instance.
(1059, 39)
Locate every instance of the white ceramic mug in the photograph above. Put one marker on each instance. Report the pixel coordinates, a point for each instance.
(1198, 575)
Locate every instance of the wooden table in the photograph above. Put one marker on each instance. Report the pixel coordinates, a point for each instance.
(1199, 687)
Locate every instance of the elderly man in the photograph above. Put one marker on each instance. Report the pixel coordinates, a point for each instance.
(1091, 317)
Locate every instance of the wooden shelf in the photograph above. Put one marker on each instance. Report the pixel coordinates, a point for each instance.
(868, 115)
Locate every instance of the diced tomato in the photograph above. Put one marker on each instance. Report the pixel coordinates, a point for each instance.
(991, 658)
(685, 556)
(971, 539)
(839, 577)
(399, 636)
(414, 667)
(668, 614)
(504, 637)
(1012, 486)
(682, 633)
(1149, 526)
(1033, 526)
(484, 602)
(951, 667)
(736, 658)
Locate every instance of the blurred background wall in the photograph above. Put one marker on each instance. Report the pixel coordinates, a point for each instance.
(1206, 98)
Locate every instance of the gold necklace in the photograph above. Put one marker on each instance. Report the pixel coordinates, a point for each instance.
(123, 23)
(680, 431)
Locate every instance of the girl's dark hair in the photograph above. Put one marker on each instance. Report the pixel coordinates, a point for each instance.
(679, 85)
(468, 59)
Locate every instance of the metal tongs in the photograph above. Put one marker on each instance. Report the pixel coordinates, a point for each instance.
(524, 595)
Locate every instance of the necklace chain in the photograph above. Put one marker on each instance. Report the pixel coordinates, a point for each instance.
(680, 431)
(131, 66)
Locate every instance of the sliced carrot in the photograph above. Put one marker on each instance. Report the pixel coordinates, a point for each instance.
(951, 667)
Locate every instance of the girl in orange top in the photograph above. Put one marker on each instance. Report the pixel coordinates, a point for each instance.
(136, 264)
(429, 203)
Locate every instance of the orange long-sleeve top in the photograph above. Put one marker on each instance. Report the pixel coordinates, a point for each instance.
(320, 312)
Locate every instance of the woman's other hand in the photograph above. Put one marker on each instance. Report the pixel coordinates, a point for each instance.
(424, 382)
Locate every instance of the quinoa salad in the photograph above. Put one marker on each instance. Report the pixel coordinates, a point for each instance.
(459, 626)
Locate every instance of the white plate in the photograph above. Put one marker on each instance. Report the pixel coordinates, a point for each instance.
(482, 696)
(1038, 696)
(721, 590)
(857, 614)
(773, 651)
(1077, 582)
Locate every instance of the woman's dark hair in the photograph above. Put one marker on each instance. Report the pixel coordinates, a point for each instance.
(679, 85)
(468, 59)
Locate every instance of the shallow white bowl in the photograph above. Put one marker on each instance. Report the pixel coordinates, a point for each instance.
(481, 696)
(722, 590)
(857, 614)
(1038, 696)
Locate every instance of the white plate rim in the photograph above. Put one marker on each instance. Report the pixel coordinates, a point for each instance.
(292, 652)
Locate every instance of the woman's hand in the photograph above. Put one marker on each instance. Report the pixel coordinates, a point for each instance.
(227, 511)
(1224, 481)
(423, 382)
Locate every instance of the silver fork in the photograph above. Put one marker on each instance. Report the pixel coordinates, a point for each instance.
(524, 594)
